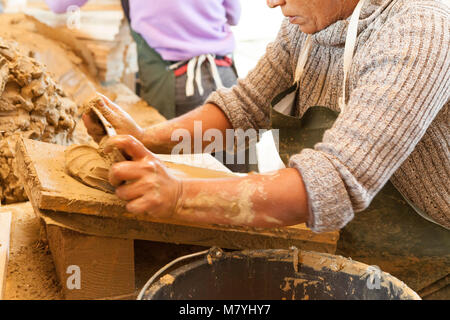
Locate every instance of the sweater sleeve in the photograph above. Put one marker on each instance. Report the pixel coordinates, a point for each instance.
(60, 6)
(233, 11)
(247, 103)
(399, 82)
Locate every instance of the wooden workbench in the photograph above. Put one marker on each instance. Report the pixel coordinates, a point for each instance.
(91, 229)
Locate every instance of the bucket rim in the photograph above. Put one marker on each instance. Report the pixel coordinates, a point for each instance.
(316, 260)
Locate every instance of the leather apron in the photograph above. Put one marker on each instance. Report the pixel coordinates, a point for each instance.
(389, 233)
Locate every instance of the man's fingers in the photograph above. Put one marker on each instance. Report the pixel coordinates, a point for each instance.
(124, 171)
(139, 205)
(128, 145)
(131, 191)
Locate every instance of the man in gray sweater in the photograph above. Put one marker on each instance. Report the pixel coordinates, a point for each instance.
(395, 124)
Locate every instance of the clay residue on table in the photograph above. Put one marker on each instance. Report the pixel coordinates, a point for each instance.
(31, 274)
(85, 164)
(33, 106)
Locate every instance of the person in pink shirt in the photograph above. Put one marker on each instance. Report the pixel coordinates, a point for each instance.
(184, 48)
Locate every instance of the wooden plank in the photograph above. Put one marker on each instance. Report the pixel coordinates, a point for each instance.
(52, 188)
(216, 235)
(5, 231)
(98, 25)
(89, 6)
(105, 266)
(56, 194)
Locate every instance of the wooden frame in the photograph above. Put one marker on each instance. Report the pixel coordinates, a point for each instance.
(56, 194)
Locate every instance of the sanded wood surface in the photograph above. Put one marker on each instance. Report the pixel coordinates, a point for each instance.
(52, 191)
(5, 230)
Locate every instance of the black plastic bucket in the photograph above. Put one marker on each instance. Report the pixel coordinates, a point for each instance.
(278, 275)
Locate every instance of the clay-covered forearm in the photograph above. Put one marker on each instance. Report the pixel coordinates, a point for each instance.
(163, 137)
(257, 200)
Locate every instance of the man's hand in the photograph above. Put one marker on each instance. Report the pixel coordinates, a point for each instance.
(122, 122)
(144, 182)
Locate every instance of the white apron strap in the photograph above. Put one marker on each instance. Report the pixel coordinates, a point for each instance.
(350, 43)
(190, 74)
(194, 73)
(286, 105)
(302, 59)
(267, 156)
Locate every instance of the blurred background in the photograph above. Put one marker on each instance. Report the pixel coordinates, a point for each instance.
(109, 39)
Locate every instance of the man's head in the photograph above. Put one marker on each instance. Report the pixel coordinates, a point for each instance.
(314, 15)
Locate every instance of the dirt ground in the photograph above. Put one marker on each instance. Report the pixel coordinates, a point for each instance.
(31, 273)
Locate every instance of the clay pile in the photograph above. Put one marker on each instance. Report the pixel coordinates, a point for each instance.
(33, 106)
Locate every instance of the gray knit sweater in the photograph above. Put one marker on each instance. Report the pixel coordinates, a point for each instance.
(396, 123)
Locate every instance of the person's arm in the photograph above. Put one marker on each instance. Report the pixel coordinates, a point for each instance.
(233, 11)
(270, 200)
(274, 199)
(60, 6)
(158, 138)
(246, 105)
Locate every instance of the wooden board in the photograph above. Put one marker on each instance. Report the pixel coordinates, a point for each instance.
(215, 235)
(5, 230)
(51, 190)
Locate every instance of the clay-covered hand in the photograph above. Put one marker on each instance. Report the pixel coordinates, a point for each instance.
(144, 181)
(122, 122)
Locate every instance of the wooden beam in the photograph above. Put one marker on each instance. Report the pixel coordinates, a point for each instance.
(5, 231)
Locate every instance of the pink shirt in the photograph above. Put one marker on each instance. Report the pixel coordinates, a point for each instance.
(179, 29)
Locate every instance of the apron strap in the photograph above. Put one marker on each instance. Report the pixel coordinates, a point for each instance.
(302, 59)
(350, 43)
(194, 73)
(270, 161)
